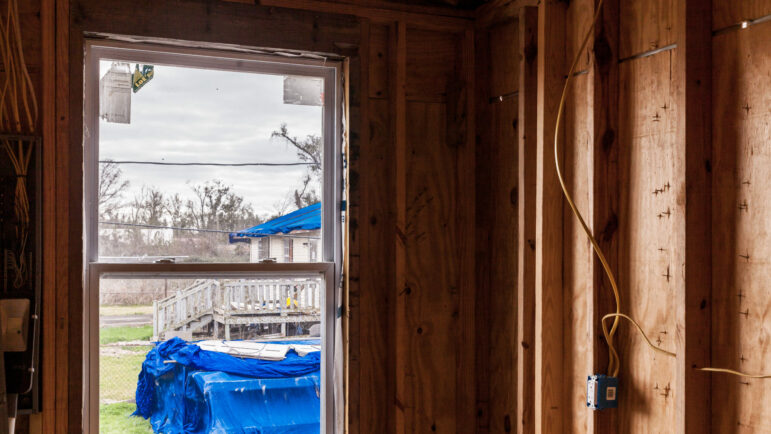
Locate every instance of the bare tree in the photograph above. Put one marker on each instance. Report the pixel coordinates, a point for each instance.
(216, 206)
(280, 207)
(111, 188)
(309, 151)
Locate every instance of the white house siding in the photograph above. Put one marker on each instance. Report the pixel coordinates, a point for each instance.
(301, 251)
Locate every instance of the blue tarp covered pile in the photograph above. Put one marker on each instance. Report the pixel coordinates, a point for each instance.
(184, 389)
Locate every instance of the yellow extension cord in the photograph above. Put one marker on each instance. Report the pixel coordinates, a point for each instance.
(614, 363)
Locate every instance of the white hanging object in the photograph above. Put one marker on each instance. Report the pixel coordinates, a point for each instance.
(115, 94)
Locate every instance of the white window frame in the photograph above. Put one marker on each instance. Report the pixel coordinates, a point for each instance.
(263, 248)
(329, 268)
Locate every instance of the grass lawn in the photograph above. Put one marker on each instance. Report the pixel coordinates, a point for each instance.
(108, 335)
(116, 418)
(125, 310)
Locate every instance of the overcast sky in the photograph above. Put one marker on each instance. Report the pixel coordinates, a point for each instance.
(193, 115)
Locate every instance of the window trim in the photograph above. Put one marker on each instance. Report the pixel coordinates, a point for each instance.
(332, 191)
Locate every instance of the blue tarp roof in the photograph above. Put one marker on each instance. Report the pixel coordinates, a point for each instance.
(308, 218)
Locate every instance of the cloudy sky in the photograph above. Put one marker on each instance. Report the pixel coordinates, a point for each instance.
(192, 115)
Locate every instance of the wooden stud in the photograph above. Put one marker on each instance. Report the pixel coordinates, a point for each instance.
(694, 137)
(527, 159)
(548, 224)
(605, 194)
(398, 45)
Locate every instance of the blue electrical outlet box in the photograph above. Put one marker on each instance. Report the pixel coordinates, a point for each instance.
(601, 392)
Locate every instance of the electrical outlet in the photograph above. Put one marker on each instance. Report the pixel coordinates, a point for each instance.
(601, 392)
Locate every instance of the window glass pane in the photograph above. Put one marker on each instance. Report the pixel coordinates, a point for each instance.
(201, 165)
(231, 319)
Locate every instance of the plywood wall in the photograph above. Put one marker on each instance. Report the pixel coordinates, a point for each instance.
(651, 201)
(497, 202)
(577, 146)
(741, 218)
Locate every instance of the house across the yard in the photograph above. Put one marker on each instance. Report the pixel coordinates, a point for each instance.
(294, 237)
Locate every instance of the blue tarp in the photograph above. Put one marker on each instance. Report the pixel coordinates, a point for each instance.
(308, 218)
(204, 391)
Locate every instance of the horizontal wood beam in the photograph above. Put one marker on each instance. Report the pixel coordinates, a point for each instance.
(428, 18)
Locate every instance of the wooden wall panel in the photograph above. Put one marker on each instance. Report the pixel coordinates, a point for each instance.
(652, 199)
(376, 233)
(527, 127)
(728, 13)
(549, 294)
(504, 74)
(646, 25)
(741, 227)
(577, 253)
(436, 304)
(605, 190)
(431, 63)
(579, 17)
(500, 204)
(483, 179)
(577, 260)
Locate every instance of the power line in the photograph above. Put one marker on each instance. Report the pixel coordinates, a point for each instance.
(168, 163)
(141, 225)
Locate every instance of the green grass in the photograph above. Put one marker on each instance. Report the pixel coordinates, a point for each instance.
(113, 310)
(116, 418)
(118, 376)
(108, 335)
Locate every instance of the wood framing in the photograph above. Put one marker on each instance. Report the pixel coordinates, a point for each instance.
(605, 190)
(694, 142)
(548, 223)
(526, 242)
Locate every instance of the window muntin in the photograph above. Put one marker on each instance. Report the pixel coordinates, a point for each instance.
(328, 238)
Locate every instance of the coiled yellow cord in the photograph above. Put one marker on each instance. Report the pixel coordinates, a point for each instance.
(614, 363)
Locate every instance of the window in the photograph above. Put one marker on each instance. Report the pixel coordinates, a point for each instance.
(264, 248)
(313, 253)
(185, 176)
(288, 250)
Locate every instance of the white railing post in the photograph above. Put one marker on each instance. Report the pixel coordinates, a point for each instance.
(155, 320)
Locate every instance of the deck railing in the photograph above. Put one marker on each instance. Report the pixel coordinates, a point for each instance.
(235, 301)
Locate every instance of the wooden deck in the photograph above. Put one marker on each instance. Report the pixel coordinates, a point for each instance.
(211, 304)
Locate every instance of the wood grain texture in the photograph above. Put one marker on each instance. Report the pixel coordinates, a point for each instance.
(548, 225)
(651, 275)
(64, 413)
(740, 238)
(417, 16)
(605, 190)
(526, 197)
(431, 65)
(483, 179)
(503, 201)
(435, 308)
(694, 135)
(728, 13)
(577, 257)
(646, 25)
(49, 124)
(577, 252)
